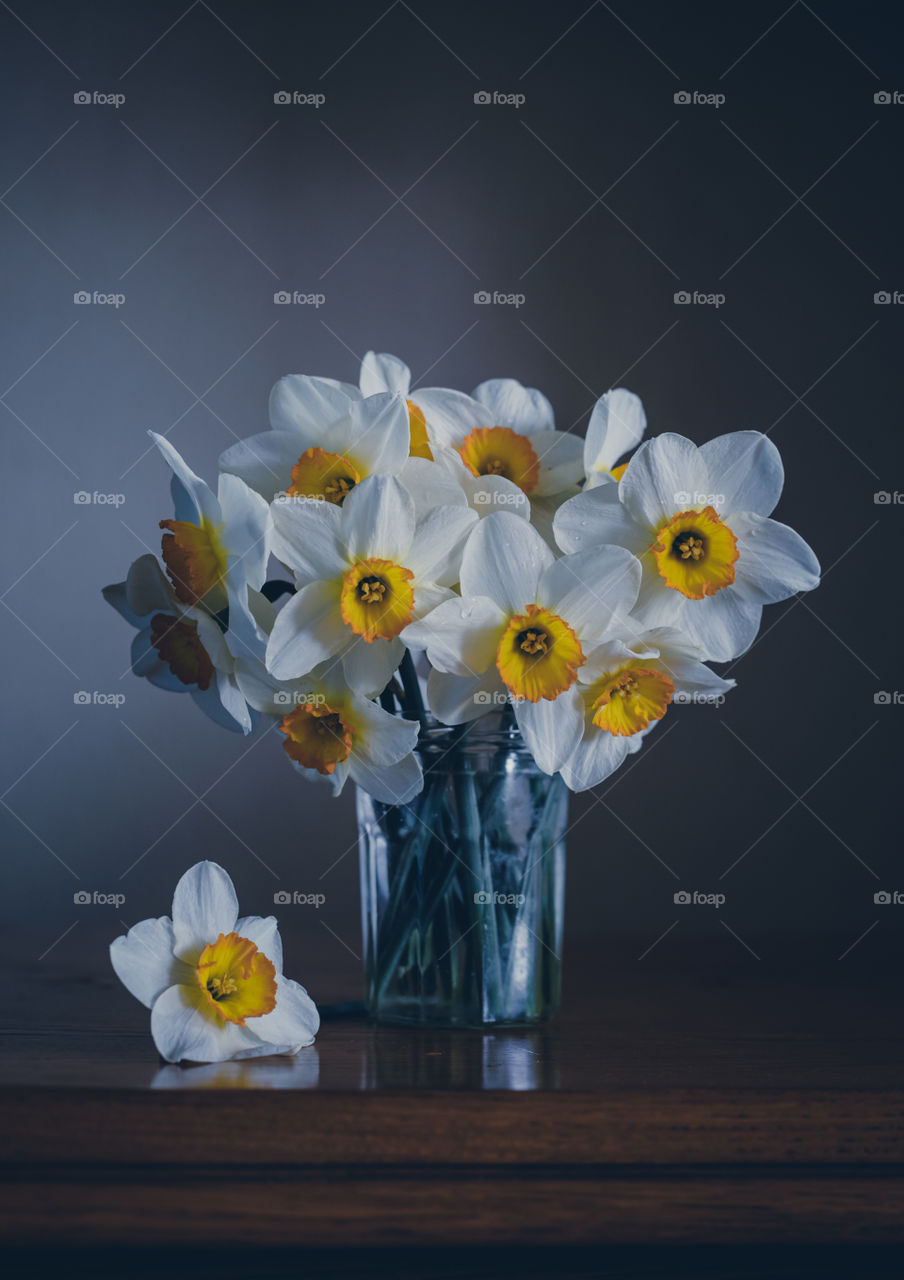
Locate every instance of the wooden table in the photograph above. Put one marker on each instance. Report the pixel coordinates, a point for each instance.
(696, 1097)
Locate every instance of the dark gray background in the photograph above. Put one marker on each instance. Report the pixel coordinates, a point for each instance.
(398, 199)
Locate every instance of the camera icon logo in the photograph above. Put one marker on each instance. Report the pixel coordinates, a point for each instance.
(281, 897)
(282, 297)
(682, 897)
(682, 297)
(882, 98)
(281, 97)
(81, 897)
(882, 898)
(82, 698)
(883, 298)
(882, 498)
(882, 698)
(482, 298)
(81, 498)
(483, 897)
(81, 98)
(682, 97)
(282, 698)
(82, 298)
(482, 97)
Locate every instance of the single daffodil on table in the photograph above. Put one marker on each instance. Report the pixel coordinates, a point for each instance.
(698, 519)
(521, 630)
(213, 982)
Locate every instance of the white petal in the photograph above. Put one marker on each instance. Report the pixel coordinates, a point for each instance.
(378, 436)
(460, 636)
(524, 409)
(591, 588)
(561, 456)
(383, 372)
(552, 730)
(310, 406)
(246, 518)
(596, 516)
(147, 590)
(451, 415)
(115, 595)
(204, 906)
(197, 490)
(264, 461)
(378, 520)
(233, 701)
(307, 630)
(691, 677)
(143, 959)
(263, 931)
(380, 738)
(182, 1032)
(307, 537)
(724, 625)
(439, 540)
(486, 494)
(209, 701)
(394, 784)
(427, 596)
(504, 559)
(596, 756)
(616, 425)
(662, 478)
(745, 472)
(368, 668)
(292, 1024)
(773, 561)
(431, 485)
(459, 699)
(544, 509)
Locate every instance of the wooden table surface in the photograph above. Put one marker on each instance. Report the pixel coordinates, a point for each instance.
(698, 1096)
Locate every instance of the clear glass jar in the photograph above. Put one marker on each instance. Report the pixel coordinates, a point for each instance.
(462, 891)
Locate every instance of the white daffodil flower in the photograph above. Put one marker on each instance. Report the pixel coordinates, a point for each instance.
(697, 519)
(363, 572)
(213, 982)
(521, 630)
(178, 647)
(507, 432)
(381, 372)
(217, 546)
(616, 425)
(332, 733)
(627, 686)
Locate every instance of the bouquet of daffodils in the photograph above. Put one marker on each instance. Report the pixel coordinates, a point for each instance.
(445, 556)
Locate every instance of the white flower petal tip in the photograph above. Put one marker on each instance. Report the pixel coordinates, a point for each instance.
(214, 983)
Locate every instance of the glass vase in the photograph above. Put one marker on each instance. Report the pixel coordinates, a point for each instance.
(462, 890)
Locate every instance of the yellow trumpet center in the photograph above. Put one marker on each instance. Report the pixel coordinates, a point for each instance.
(538, 655)
(377, 599)
(195, 562)
(420, 441)
(319, 474)
(624, 702)
(500, 451)
(695, 553)
(179, 645)
(317, 736)
(238, 981)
